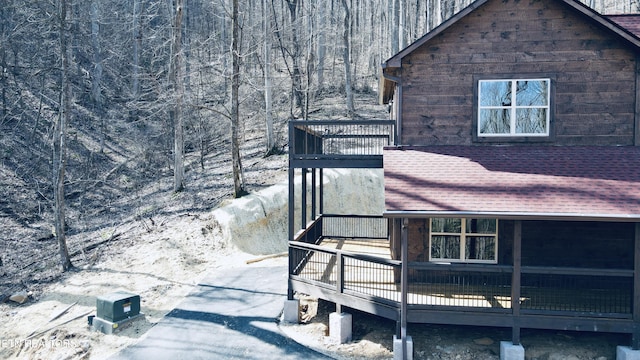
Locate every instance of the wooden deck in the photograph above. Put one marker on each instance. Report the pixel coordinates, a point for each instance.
(368, 272)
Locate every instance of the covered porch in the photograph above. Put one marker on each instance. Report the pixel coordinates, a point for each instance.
(550, 236)
(359, 272)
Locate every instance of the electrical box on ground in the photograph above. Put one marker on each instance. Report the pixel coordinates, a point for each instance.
(118, 306)
(115, 311)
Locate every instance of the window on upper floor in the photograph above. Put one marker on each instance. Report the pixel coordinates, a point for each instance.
(513, 107)
(463, 240)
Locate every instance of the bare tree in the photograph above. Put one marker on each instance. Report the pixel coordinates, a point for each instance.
(177, 85)
(322, 12)
(238, 178)
(270, 142)
(59, 138)
(135, 86)
(347, 59)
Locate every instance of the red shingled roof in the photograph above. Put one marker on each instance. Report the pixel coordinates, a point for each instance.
(540, 181)
(629, 22)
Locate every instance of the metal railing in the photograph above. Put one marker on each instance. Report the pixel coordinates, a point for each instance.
(318, 138)
(596, 293)
(345, 271)
(355, 226)
(593, 291)
(460, 285)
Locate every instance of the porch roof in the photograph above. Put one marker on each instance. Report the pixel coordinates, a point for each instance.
(599, 183)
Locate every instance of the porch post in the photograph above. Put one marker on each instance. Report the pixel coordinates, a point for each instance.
(321, 199)
(516, 282)
(404, 286)
(303, 197)
(313, 194)
(635, 337)
(291, 217)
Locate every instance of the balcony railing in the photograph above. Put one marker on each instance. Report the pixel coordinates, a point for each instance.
(341, 142)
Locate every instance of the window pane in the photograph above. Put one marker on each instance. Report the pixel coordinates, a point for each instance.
(446, 225)
(532, 92)
(495, 121)
(495, 93)
(445, 247)
(480, 248)
(481, 226)
(531, 121)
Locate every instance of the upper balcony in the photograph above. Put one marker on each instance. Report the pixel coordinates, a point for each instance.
(339, 143)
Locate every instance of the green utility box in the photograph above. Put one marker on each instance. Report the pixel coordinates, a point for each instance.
(118, 306)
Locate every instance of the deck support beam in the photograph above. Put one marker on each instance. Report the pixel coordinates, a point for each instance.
(404, 288)
(635, 337)
(516, 282)
(291, 224)
(321, 197)
(314, 203)
(303, 197)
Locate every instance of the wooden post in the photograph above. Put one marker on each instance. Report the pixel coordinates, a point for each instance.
(321, 200)
(292, 199)
(313, 194)
(404, 286)
(303, 197)
(635, 337)
(516, 282)
(636, 133)
(339, 278)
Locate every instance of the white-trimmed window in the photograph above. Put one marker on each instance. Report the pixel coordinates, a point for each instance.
(463, 240)
(518, 107)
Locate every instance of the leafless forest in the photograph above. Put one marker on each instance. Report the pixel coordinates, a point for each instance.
(110, 108)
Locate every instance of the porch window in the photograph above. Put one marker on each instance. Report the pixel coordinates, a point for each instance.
(518, 107)
(463, 240)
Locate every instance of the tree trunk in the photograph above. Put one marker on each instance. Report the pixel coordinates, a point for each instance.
(296, 76)
(135, 86)
(178, 87)
(3, 63)
(270, 143)
(401, 21)
(59, 139)
(395, 26)
(347, 61)
(238, 178)
(322, 47)
(96, 79)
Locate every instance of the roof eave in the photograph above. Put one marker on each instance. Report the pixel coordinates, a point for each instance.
(396, 60)
(512, 215)
(604, 21)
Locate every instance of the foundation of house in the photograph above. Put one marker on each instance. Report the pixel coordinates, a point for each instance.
(509, 351)
(626, 353)
(398, 354)
(291, 312)
(340, 327)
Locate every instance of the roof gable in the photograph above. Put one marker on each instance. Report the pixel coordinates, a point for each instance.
(615, 25)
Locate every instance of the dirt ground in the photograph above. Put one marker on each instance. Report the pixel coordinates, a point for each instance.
(373, 339)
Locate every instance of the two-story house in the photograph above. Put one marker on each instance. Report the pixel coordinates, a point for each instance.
(512, 178)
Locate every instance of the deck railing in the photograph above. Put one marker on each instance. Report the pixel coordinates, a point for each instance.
(346, 272)
(597, 292)
(480, 288)
(460, 285)
(329, 138)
